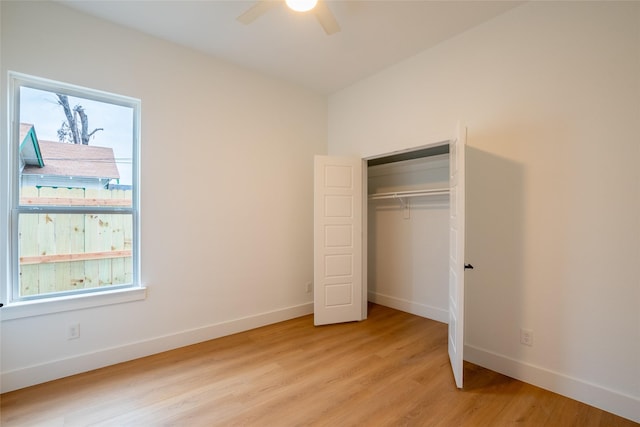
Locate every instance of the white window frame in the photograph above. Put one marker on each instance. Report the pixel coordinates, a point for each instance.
(14, 306)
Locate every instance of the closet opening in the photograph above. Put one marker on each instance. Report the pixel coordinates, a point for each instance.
(408, 230)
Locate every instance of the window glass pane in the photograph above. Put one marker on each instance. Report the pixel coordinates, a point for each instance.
(74, 151)
(71, 252)
(76, 227)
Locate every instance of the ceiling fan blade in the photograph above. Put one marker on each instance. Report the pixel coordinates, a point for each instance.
(326, 18)
(256, 11)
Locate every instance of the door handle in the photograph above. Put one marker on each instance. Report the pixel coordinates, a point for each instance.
(468, 267)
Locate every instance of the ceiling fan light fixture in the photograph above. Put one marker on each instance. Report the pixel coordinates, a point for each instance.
(301, 5)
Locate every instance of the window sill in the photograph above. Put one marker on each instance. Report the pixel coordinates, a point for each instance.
(72, 302)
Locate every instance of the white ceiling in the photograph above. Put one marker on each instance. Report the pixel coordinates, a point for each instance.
(293, 46)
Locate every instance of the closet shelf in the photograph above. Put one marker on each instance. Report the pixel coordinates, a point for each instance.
(412, 193)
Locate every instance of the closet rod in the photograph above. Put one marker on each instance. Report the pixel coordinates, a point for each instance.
(412, 193)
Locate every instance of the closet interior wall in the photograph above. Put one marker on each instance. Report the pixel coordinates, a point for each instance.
(408, 235)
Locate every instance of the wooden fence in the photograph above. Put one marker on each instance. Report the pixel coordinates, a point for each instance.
(61, 252)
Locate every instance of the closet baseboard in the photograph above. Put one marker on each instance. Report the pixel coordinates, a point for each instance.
(422, 310)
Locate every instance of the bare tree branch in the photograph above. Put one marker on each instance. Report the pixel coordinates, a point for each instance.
(84, 122)
(76, 128)
(63, 100)
(94, 131)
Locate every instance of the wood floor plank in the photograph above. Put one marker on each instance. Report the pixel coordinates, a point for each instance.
(389, 370)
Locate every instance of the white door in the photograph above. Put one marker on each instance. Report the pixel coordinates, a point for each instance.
(337, 236)
(456, 252)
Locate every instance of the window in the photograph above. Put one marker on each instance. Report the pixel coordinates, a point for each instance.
(73, 190)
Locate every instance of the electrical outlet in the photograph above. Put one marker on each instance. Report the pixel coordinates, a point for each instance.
(73, 332)
(309, 287)
(526, 337)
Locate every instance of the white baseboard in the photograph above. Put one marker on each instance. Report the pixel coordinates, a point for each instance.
(31, 375)
(592, 394)
(412, 307)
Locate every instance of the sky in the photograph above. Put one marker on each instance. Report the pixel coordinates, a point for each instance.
(41, 109)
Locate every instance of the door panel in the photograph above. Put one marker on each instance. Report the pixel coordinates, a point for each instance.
(338, 283)
(456, 252)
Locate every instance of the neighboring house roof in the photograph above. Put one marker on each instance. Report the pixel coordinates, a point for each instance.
(76, 160)
(29, 148)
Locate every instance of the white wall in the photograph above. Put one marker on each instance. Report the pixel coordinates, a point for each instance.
(227, 255)
(550, 93)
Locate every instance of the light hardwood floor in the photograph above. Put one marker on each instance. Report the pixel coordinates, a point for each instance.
(391, 369)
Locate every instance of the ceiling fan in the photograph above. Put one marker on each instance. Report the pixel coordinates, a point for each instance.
(318, 7)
